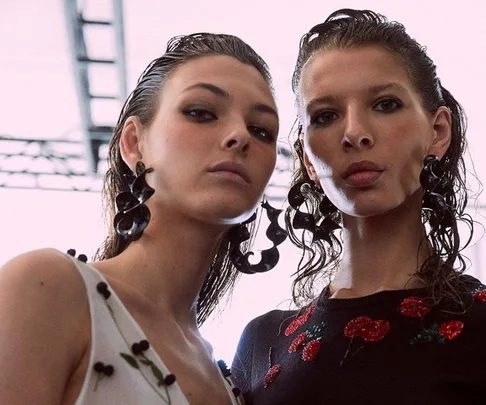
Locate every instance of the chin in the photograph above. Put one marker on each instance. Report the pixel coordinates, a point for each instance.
(230, 213)
(368, 208)
(236, 218)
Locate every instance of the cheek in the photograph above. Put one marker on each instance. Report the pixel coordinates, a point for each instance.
(410, 166)
(320, 159)
(267, 165)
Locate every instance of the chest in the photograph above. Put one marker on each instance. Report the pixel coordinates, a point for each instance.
(136, 359)
(378, 357)
(197, 374)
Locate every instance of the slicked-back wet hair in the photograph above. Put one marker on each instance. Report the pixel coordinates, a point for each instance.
(143, 103)
(347, 28)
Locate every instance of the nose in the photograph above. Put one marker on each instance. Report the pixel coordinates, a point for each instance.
(358, 134)
(238, 139)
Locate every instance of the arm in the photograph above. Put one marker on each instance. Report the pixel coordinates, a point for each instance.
(41, 314)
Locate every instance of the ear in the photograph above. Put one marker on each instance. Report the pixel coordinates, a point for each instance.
(311, 171)
(130, 142)
(442, 132)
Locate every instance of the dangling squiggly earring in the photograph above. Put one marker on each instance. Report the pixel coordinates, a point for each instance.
(133, 215)
(307, 221)
(269, 257)
(435, 185)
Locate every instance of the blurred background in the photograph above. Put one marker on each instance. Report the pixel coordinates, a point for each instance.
(66, 66)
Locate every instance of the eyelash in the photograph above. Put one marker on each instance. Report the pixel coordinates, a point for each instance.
(316, 118)
(202, 115)
(199, 114)
(269, 137)
(397, 104)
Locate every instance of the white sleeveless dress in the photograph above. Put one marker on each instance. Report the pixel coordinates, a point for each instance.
(116, 375)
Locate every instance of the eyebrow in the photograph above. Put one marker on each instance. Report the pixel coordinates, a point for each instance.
(371, 89)
(219, 92)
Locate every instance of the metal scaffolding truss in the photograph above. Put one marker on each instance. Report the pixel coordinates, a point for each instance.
(46, 164)
(87, 64)
(97, 53)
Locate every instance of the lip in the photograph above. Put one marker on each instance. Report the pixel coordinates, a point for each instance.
(363, 173)
(232, 167)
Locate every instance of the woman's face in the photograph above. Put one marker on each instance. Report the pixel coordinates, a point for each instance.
(212, 143)
(366, 132)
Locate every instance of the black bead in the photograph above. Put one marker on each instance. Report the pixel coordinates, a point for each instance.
(236, 391)
(136, 349)
(99, 367)
(140, 347)
(82, 258)
(71, 252)
(169, 379)
(109, 370)
(102, 288)
(144, 345)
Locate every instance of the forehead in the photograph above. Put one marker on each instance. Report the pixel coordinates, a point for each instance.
(352, 69)
(221, 70)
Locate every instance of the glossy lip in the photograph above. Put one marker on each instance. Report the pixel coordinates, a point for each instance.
(362, 166)
(232, 167)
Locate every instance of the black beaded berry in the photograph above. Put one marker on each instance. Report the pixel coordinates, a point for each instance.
(102, 288)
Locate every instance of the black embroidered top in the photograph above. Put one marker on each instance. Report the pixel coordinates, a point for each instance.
(386, 348)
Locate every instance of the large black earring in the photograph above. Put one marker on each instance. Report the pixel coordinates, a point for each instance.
(269, 257)
(435, 185)
(326, 226)
(133, 215)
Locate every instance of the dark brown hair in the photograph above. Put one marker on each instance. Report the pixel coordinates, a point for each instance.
(143, 103)
(347, 28)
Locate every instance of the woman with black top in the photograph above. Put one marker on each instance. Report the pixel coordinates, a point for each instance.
(378, 192)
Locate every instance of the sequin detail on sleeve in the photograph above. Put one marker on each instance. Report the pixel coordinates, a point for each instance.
(271, 375)
(300, 321)
(480, 296)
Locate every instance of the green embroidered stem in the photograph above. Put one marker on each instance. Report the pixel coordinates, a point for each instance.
(133, 362)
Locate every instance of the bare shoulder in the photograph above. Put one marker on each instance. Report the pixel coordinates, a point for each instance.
(43, 313)
(44, 269)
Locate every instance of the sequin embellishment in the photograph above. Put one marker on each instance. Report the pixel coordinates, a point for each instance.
(414, 307)
(480, 296)
(311, 350)
(451, 329)
(272, 373)
(366, 329)
(309, 340)
(300, 321)
(448, 330)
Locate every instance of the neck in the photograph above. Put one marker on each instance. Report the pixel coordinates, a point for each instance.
(382, 252)
(167, 266)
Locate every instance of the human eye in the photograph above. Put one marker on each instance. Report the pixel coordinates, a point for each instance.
(199, 114)
(262, 133)
(323, 118)
(388, 105)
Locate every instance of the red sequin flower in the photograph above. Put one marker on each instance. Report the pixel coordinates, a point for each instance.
(271, 375)
(480, 296)
(298, 322)
(368, 330)
(311, 350)
(451, 329)
(298, 342)
(414, 307)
